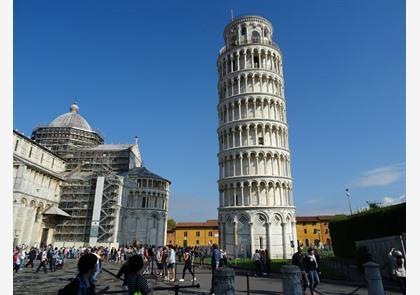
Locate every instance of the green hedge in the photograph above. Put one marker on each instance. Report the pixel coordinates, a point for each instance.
(371, 224)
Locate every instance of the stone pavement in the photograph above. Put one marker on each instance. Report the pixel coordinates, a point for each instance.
(29, 282)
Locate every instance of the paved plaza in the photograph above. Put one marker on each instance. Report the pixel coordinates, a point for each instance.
(29, 282)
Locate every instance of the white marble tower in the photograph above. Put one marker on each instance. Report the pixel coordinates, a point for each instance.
(256, 209)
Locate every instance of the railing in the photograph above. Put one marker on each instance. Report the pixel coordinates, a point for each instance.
(249, 42)
(175, 288)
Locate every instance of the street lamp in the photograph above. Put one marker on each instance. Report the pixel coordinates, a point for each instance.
(348, 196)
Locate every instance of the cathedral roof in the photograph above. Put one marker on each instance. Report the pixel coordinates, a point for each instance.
(144, 172)
(110, 147)
(71, 119)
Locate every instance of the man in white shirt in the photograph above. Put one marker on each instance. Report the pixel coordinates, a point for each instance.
(43, 260)
(171, 263)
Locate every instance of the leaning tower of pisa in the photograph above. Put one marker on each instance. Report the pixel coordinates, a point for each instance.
(256, 209)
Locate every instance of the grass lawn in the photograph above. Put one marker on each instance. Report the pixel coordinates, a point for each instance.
(248, 263)
(276, 264)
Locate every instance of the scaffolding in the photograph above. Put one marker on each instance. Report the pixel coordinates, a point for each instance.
(64, 140)
(78, 196)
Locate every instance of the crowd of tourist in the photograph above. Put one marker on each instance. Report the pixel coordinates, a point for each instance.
(136, 261)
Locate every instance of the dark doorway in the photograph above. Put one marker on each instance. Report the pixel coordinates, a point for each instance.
(44, 237)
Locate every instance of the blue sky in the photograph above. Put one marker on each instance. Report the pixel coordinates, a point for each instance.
(149, 69)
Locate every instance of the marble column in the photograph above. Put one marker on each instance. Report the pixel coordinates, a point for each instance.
(291, 276)
(283, 232)
(374, 279)
(235, 238)
(268, 229)
(251, 234)
(224, 281)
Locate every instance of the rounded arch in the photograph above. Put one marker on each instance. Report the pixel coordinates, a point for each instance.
(277, 218)
(261, 218)
(32, 204)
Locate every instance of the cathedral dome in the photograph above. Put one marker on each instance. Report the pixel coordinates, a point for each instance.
(71, 119)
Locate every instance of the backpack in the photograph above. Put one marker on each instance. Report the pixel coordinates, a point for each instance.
(70, 289)
(73, 288)
(39, 257)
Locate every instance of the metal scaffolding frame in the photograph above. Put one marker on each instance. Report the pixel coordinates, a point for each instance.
(78, 196)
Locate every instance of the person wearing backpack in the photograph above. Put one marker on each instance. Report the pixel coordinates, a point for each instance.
(187, 264)
(398, 268)
(83, 283)
(136, 282)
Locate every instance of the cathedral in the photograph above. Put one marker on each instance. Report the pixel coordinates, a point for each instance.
(72, 189)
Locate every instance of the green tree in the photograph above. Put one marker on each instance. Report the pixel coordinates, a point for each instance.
(373, 205)
(171, 224)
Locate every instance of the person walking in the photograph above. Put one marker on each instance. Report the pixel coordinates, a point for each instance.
(53, 259)
(171, 264)
(187, 264)
(31, 257)
(136, 282)
(257, 261)
(215, 260)
(44, 260)
(83, 283)
(159, 252)
(98, 269)
(202, 256)
(398, 268)
(297, 259)
(16, 260)
(311, 268)
(22, 256)
(164, 261)
(123, 271)
(146, 259)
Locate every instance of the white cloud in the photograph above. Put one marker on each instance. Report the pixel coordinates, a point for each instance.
(386, 201)
(382, 176)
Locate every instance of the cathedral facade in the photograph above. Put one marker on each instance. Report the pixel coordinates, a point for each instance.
(70, 188)
(256, 210)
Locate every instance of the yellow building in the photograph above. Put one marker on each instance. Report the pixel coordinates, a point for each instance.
(313, 231)
(189, 234)
(170, 237)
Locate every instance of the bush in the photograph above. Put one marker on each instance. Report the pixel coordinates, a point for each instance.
(371, 224)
